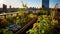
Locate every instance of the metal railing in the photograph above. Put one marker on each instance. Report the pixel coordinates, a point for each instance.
(26, 27)
(3, 15)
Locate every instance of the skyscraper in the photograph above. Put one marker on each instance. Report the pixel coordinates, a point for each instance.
(45, 4)
(4, 7)
(10, 6)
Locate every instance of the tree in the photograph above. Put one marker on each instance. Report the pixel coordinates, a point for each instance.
(24, 5)
(24, 9)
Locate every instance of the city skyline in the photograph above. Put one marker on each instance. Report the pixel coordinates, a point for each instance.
(30, 3)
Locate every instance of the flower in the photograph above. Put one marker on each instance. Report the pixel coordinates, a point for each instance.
(42, 31)
(34, 25)
(4, 20)
(17, 17)
(35, 16)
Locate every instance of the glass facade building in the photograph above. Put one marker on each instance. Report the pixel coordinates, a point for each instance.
(45, 4)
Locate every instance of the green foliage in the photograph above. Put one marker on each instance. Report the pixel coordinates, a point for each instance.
(10, 19)
(21, 21)
(42, 12)
(23, 10)
(5, 31)
(43, 26)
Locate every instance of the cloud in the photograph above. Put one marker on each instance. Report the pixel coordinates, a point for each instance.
(17, 3)
(13, 3)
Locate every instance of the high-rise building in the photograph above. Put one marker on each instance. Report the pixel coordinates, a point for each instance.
(10, 6)
(45, 4)
(4, 7)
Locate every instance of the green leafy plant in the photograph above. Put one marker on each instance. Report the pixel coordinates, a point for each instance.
(5, 31)
(42, 26)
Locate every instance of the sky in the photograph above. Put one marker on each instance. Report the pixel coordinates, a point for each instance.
(30, 3)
